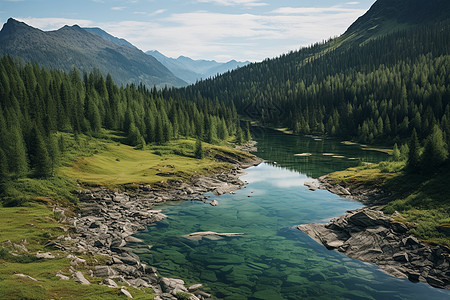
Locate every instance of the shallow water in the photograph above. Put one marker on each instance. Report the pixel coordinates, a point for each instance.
(273, 260)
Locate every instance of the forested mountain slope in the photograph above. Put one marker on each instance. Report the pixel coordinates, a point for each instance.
(73, 46)
(36, 103)
(376, 91)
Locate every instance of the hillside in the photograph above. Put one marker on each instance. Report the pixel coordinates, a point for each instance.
(191, 70)
(387, 16)
(103, 34)
(73, 46)
(374, 92)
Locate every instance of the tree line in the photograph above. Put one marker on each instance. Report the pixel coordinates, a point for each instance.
(36, 103)
(377, 92)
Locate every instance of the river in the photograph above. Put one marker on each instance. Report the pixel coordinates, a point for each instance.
(274, 260)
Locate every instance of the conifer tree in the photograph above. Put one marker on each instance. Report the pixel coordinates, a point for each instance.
(435, 152)
(413, 161)
(53, 151)
(41, 160)
(198, 153)
(396, 156)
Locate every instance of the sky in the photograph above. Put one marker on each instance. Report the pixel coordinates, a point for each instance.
(218, 30)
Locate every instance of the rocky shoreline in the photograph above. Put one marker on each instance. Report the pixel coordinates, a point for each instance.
(106, 221)
(368, 235)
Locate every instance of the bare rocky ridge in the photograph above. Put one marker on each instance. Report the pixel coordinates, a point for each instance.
(107, 220)
(370, 236)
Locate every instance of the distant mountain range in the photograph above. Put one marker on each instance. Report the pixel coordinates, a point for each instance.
(183, 67)
(193, 70)
(72, 46)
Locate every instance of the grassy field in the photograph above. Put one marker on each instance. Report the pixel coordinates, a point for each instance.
(28, 223)
(423, 200)
(120, 164)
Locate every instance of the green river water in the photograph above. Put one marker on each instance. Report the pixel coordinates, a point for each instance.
(273, 260)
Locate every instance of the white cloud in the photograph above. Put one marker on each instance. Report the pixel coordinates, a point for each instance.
(157, 12)
(352, 3)
(242, 36)
(222, 36)
(54, 23)
(314, 10)
(118, 8)
(247, 3)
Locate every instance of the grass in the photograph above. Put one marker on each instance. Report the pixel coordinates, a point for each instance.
(370, 148)
(27, 219)
(32, 226)
(422, 199)
(120, 164)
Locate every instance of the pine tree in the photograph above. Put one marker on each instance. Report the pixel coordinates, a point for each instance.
(17, 153)
(396, 156)
(247, 136)
(198, 153)
(41, 160)
(413, 161)
(435, 152)
(53, 151)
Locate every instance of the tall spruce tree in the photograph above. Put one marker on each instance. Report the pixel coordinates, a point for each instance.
(41, 162)
(435, 152)
(198, 153)
(413, 162)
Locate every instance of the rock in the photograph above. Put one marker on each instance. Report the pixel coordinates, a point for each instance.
(414, 276)
(132, 239)
(46, 255)
(214, 203)
(435, 282)
(401, 257)
(126, 293)
(110, 283)
(202, 294)
(103, 271)
(79, 277)
(138, 282)
(62, 277)
(169, 285)
(195, 287)
(129, 260)
(399, 227)
(25, 276)
(312, 185)
(410, 241)
(368, 218)
(207, 233)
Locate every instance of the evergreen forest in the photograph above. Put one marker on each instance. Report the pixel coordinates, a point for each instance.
(377, 92)
(36, 103)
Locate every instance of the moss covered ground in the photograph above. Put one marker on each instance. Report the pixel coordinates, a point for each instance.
(422, 199)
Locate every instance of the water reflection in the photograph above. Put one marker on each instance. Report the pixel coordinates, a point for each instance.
(280, 149)
(273, 260)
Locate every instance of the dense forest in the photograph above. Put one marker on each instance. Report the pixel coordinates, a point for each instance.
(36, 103)
(376, 92)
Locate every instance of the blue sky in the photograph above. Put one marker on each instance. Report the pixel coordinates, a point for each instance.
(201, 29)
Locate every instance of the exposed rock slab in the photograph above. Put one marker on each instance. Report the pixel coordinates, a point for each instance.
(368, 235)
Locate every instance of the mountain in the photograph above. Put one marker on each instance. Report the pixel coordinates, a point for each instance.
(387, 16)
(103, 34)
(370, 85)
(193, 70)
(72, 46)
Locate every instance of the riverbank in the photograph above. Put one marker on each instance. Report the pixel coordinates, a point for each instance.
(107, 219)
(57, 239)
(369, 235)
